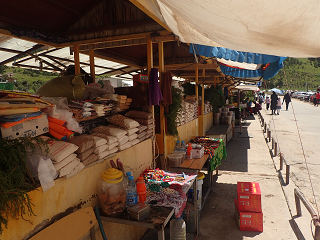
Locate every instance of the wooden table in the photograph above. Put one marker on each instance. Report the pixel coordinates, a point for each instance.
(158, 219)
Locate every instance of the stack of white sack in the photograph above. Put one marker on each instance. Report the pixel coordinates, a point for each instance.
(99, 108)
(86, 147)
(63, 157)
(105, 145)
(126, 124)
(144, 119)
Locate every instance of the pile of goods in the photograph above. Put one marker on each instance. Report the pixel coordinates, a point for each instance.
(146, 122)
(167, 189)
(207, 107)
(209, 144)
(188, 112)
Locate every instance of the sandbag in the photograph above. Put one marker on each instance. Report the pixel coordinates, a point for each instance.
(72, 87)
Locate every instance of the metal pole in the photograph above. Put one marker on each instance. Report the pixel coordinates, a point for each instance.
(272, 144)
(265, 128)
(287, 173)
(269, 135)
(275, 148)
(298, 196)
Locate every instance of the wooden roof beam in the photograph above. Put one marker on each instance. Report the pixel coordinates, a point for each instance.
(29, 66)
(21, 54)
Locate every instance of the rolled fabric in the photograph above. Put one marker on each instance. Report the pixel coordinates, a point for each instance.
(57, 121)
(57, 135)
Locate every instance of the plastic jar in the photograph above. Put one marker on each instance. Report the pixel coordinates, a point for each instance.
(112, 194)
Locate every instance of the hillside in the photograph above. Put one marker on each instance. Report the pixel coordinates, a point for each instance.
(301, 74)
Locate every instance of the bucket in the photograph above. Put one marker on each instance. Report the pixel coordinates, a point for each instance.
(200, 178)
(230, 113)
(216, 122)
(216, 119)
(228, 119)
(224, 113)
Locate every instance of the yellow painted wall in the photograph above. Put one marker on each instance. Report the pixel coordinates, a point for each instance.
(81, 189)
(207, 121)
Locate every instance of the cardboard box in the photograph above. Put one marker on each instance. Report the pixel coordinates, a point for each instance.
(29, 128)
(140, 79)
(129, 100)
(198, 152)
(249, 197)
(121, 97)
(248, 221)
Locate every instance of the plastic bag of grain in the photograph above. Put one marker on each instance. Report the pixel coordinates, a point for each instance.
(110, 139)
(124, 146)
(103, 154)
(101, 148)
(64, 162)
(142, 128)
(138, 114)
(76, 170)
(84, 142)
(123, 140)
(69, 167)
(114, 150)
(91, 159)
(83, 156)
(144, 121)
(122, 121)
(58, 150)
(113, 145)
(99, 141)
(133, 136)
(141, 135)
(134, 141)
(116, 132)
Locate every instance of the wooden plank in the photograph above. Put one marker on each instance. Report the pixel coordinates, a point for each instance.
(92, 67)
(197, 80)
(162, 117)
(198, 163)
(76, 59)
(187, 163)
(150, 14)
(72, 227)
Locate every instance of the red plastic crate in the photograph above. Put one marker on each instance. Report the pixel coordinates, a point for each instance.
(249, 197)
(249, 221)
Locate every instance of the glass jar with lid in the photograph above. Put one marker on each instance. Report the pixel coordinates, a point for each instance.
(112, 194)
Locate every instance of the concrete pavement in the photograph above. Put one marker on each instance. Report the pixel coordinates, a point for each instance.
(249, 160)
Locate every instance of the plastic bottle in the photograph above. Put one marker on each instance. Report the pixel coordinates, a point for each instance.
(183, 146)
(189, 151)
(141, 190)
(131, 199)
(178, 229)
(177, 146)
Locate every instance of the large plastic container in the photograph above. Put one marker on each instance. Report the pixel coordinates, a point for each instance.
(182, 154)
(178, 229)
(174, 160)
(112, 194)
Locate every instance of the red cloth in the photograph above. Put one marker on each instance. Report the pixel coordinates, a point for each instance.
(318, 96)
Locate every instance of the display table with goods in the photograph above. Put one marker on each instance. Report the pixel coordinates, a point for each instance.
(165, 197)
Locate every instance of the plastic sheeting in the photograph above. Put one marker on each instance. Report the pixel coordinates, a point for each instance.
(282, 28)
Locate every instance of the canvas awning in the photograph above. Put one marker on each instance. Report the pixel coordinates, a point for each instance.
(247, 87)
(280, 28)
(241, 64)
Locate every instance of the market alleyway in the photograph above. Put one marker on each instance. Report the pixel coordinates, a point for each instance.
(249, 160)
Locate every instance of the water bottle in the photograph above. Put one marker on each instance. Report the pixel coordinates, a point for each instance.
(178, 229)
(126, 178)
(177, 146)
(183, 146)
(132, 198)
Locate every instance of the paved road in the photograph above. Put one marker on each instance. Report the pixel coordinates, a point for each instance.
(288, 133)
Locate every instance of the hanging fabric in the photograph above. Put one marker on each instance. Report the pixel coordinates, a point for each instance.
(155, 95)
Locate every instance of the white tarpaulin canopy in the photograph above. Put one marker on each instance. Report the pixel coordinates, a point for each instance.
(282, 28)
(247, 87)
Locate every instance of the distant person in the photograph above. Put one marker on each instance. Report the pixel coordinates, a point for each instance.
(257, 108)
(314, 99)
(278, 105)
(318, 98)
(287, 99)
(274, 99)
(268, 101)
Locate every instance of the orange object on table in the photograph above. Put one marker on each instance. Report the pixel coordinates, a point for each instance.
(57, 135)
(57, 121)
(141, 190)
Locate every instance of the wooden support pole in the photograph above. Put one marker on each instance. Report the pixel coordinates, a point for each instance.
(238, 102)
(281, 161)
(215, 81)
(287, 173)
(197, 81)
(275, 148)
(272, 143)
(202, 99)
(269, 135)
(92, 66)
(162, 117)
(76, 59)
(265, 128)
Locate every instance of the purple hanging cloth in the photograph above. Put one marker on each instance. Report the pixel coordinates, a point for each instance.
(155, 95)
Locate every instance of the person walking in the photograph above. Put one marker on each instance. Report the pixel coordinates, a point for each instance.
(287, 99)
(314, 99)
(278, 105)
(268, 101)
(274, 99)
(318, 98)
